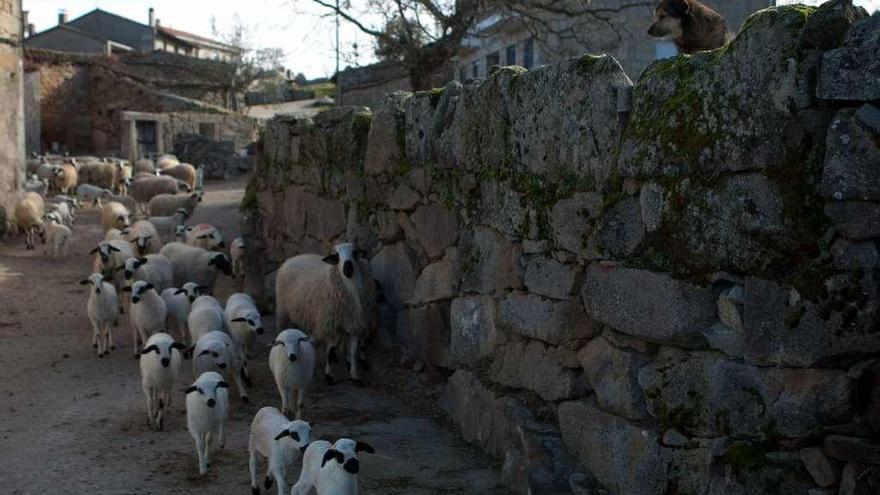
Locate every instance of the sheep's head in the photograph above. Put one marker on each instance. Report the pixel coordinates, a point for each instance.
(210, 386)
(215, 350)
(142, 241)
(253, 321)
(212, 234)
(291, 339)
(183, 213)
(164, 349)
(138, 289)
(344, 257)
(104, 250)
(344, 452)
(221, 262)
(122, 221)
(131, 265)
(180, 232)
(96, 280)
(299, 432)
(192, 290)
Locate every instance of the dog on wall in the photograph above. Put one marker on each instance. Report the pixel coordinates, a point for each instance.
(692, 25)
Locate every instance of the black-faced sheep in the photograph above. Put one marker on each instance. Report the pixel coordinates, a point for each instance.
(192, 264)
(281, 442)
(292, 361)
(159, 364)
(331, 469)
(103, 311)
(207, 409)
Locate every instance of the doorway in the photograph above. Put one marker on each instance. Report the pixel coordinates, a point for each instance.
(147, 139)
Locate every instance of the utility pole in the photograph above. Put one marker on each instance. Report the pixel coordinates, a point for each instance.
(338, 75)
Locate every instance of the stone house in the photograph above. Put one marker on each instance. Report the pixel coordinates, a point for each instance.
(500, 39)
(11, 101)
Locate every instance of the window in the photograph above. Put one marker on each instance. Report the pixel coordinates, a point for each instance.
(493, 59)
(462, 73)
(664, 49)
(476, 69)
(206, 129)
(529, 53)
(511, 55)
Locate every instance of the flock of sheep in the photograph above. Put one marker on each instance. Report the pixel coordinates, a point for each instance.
(167, 270)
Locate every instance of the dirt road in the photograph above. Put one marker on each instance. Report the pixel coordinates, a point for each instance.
(71, 423)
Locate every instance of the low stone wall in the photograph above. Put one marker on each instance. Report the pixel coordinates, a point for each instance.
(662, 288)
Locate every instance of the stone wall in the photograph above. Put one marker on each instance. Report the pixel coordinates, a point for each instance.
(12, 103)
(673, 282)
(367, 86)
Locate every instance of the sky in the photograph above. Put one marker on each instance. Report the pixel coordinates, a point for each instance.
(296, 26)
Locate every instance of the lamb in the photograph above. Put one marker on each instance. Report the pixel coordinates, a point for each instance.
(243, 320)
(46, 172)
(166, 225)
(292, 361)
(100, 174)
(71, 201)
(205, 236)
(123, 177)
(129, 202)
(331, 469)
(236, 252)
(66, 178)
(152, 268)
(58, 238)
(144, 239)
(109, 257)
(168, 204)
(182, 171)
(143, 189)
(144, 165)
(159, 363)
(28, 216)
(63, 211)
(148, 313)
(215, 351)
(206, 315)
(88, 192)
(332, 297)
(181, 232)
(178, 303)
(207, 408)
(192, 264)
(36, 185)
(114, 216)
(103, 311)
(281, 442)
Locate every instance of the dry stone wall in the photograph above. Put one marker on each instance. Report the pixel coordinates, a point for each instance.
(667, 287)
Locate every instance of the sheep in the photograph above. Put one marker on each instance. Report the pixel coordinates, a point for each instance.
(103, 311)
(29, 211)
(123, 177)
(331, 297)
(281, 442)
(168, 204)
(143, 238)
(244, 322)
(182, 171)
(148, 313)
(178, 303)
(292, 361)
(100, 174)
(143, 189)
(205, 236)
(114, 216)
(159, 364)
(181, 232)
(58, 238)
(129, 202)
(63, 211)
(206, 315)
(166, 225)
(207, 408)
(36, 185)
(66, 178)
(144, 165)
(331, 469)
(236, 252)
(152, 268)
(215, 351)
(71, 201)
(88, 192)
(109, 257)
(46, 172)
(166, 161)
(192, 264)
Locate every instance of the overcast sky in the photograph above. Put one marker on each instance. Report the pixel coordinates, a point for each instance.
(296, 26)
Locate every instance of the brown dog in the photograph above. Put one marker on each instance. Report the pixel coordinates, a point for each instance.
(690, 24)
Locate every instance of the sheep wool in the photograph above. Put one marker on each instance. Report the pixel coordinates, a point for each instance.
(281, 442)
(103, 311)
(207, 409)
(148, 313)
(159, 364)
(292, 361)
(331, 469)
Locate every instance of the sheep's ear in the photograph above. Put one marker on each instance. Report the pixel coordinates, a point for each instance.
(149, 286)
(277, 342)
(333, 454)
(178, 346)
(179, 292)
(238, 320)
(283, 434)
(206, 351)
(93, 251)
(114, 248)
(332, 259)
(222, 385)
(364, 447)
(150, 349)
(143, 261)
(203, 236)
(84, 282)
(294, 435)
(193, 389)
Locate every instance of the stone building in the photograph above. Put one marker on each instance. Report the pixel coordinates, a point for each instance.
(503, 40)
(11, 118)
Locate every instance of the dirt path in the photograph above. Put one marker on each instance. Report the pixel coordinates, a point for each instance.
(71, 423)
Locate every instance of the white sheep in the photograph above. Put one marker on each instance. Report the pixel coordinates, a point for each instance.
(148, 313)
(159, 363)
(236, 252)
(292, 361)
(281, 442)
(206, 315)
(333, 298)
(103, 310)
(114, 216)
(192, 264)
(144, 238)
(207, 409)
(58, 237)
(244, 321)
(145, 187)
(166, 226)
(28, 215)
(181, 232)
(36, 185)
(167, 204)
(215, 351)
(331, 469)
(205, 236)
(154, 269)
(178, 303)
(109, 257)
(88, 192)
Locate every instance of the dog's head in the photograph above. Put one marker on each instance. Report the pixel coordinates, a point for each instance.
(669, 15)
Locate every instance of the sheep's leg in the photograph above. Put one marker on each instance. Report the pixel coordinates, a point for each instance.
(253, 466)
(150, 405)
(95, 336)
(353, 358)
(285, 403)
(109, 336)
(300, 400)
(245, 374)
(303, 486)
(278, 473)
(328, 366)
(201, 450)
(134, 340)
(239, 384)
(221, 437)
(160, 410)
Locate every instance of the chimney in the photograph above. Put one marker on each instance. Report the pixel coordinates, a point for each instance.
(31, 30)
(24, 23)
(62, 17)
(152, 17)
